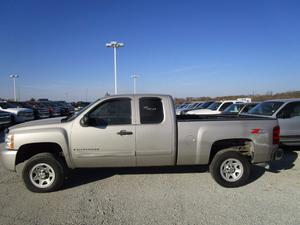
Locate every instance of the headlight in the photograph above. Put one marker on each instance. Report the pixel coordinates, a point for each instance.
(9, 142)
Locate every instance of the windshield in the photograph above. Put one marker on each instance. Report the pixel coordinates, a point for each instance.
(266, 108)
(6, 105)
(234, 108)
(215, 105)
(206, 104)
(182, 106)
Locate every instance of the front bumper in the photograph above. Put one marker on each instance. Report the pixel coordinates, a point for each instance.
(8, 158)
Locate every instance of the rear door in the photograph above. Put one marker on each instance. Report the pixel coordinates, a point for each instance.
(155, 131)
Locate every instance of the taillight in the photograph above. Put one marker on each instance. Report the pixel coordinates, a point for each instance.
(276, 135)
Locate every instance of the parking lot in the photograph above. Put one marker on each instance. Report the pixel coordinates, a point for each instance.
(183, 195)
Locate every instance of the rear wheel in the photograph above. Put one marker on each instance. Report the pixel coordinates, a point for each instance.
(230, 169)
(43, 173)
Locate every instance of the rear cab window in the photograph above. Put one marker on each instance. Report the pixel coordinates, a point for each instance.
(151, 110)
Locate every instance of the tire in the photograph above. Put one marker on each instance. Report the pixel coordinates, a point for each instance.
(230, 169)
(43, 173)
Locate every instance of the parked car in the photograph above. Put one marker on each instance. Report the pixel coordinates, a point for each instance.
(215, 108)
(81, 105)
(188, 107)
(19, 114)
(287, 111)
(203, 105)
(135, 131)
(53, 109)
(66, 109)
(182, 107)
(39, 111)
(238, 108)
(5, 119)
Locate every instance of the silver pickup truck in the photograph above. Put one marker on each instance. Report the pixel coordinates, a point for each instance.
(138, 130)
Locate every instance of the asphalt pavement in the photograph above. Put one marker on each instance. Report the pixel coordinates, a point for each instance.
(180, 195)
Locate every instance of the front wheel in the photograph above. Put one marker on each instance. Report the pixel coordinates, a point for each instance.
(43, 173)
(230, 169)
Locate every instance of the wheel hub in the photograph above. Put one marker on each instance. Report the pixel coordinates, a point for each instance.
(231, 170)
(42, 175)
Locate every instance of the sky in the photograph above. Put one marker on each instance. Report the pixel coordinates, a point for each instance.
(183, 48)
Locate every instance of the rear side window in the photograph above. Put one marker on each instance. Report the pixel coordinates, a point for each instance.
(151, 110)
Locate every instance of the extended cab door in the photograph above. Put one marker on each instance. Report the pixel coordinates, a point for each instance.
(155, 131)
(109, 138)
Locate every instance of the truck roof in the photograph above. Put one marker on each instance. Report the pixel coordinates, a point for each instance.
(138, 95)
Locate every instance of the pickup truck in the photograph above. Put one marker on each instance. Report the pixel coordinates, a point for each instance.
(138, 131)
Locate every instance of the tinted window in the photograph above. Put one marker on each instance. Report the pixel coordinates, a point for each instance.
(151, 110)
(225, 105)
(290, 110)
(6, 105)
(112, 112)
(234, 108)
(206, 104)
(248, 108)
(266, 108)
(215, 105)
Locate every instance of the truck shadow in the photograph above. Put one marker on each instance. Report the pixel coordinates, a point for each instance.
(286, 163)
(80, 177)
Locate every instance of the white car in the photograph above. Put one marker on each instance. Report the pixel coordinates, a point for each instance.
(19, 114)
(216, 108)
(187, 107)
(287, 111)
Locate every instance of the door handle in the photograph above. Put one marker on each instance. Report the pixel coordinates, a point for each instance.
(124, 132)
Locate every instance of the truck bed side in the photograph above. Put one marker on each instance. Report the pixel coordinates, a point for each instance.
(197, 137)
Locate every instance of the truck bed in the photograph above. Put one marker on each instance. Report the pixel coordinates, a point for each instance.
(197, 134)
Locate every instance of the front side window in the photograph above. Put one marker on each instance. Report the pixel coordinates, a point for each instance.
(112, 112)
(151, 110)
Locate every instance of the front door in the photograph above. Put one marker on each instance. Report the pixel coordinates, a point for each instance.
(109, 139)
(289, 122)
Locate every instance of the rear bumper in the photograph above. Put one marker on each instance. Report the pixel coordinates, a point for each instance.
(293, 140)
(8, 158)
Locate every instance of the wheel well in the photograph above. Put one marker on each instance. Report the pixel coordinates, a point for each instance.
(245, 146)
(28, 150)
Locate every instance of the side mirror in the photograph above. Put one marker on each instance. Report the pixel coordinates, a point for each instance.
(85, 121)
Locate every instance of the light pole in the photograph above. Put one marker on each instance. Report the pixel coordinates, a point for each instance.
(14, 77)
(134, 77)
(115, 45)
